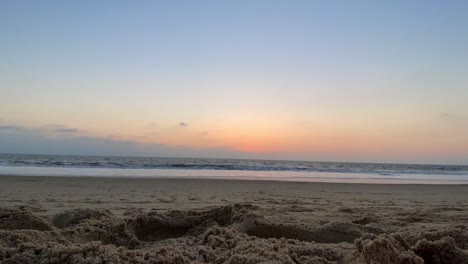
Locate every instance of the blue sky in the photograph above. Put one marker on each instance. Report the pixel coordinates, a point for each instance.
(333, 80)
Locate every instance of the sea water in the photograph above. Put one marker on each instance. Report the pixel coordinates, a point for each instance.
(281, 170)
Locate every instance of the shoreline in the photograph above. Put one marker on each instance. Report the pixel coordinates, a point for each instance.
(221, 179)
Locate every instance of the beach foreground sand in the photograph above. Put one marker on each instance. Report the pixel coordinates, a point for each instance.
(118, 220)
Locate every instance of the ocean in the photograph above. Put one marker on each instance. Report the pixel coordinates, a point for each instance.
(302, 171)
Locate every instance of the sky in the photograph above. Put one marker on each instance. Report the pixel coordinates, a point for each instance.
(371, 81)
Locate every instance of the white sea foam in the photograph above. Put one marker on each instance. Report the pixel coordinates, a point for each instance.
(238, 175)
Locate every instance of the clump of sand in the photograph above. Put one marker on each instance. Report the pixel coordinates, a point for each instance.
(385, 249)
(16, 238)
(76, 216)
(11, 219)
(440, 251)
(155, 226)
(84, 225)
(458, 233)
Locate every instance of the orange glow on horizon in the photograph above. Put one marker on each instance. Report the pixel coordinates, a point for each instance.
(264, 135)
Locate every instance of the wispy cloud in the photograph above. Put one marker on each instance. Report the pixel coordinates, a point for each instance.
(452, 116)
(11, 128)
(17, 129)
(66, 130)
(445, 115)
(58, 129)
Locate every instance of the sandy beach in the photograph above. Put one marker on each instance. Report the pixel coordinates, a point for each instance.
(122, 220)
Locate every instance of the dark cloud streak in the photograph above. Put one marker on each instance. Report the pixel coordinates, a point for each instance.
(17, 139)
(11, 128)
(66, 130)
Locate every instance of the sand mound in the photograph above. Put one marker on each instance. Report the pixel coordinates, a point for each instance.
(385, 249)
(440, 251)
(335, 232)
(83, 226)
(90, 253)
(458, 233)
(255, 225)
(13, 219)
(15, 238)
(157, 226)
(225, 245)
(76, 216)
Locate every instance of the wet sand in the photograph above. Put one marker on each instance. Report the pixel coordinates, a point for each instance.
(121, 220)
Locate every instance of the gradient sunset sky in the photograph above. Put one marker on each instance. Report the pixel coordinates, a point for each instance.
(377, 81)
